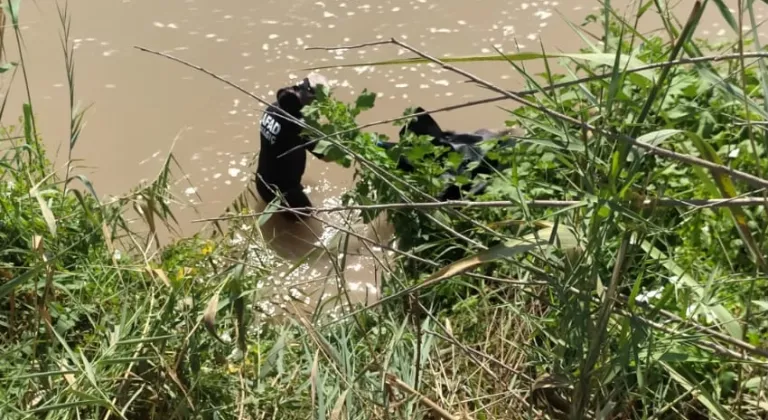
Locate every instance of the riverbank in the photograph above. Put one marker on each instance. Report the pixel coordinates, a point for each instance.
(598, 291)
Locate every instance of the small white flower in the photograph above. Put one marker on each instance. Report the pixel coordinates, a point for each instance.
(647, 296)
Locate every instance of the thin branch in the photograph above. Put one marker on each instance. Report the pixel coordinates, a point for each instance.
(227, 82)
(485, 356)
(436, 409)
(350, 47)
(663, 202)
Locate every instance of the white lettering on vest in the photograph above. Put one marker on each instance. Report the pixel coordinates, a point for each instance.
(270, 128)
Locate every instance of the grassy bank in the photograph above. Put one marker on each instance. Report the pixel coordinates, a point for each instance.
(605, 277)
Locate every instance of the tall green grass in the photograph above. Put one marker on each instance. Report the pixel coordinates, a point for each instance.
(607, 308)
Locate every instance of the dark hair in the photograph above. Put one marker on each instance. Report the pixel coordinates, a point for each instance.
(289, 101)
(423, 125)
(289, 98)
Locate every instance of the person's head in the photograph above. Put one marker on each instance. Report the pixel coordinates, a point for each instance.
(423, 125)
(293, 98)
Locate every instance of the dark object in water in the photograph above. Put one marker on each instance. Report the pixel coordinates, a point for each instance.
(279, 171)
(466, 144)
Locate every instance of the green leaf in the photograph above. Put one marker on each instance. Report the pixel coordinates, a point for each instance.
(9, 286)
(654, 139)
(330, 151)
(209, 317)
(88, 369)
(365, 101)
(50, 220)
(274, 357)
(756, 382)
(725, 11)
(563, 236)
(339, 406)
(7, 66)
(269, 211)
(657, 137)
(89, 186)
(12, 8)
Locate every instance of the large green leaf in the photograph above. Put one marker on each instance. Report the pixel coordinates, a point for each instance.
(654, 139)
(50, 219)
(22, 278)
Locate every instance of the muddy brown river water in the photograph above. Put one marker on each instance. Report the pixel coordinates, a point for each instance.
(140, 103)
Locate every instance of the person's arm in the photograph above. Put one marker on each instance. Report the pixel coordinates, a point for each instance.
(310, 146)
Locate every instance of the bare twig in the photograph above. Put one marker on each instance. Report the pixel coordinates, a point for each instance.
(397, 383)
(662, 202)
(350, 47)
(228, 83)
(451, 339)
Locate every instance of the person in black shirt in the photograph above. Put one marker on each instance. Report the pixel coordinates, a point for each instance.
(278, 175)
